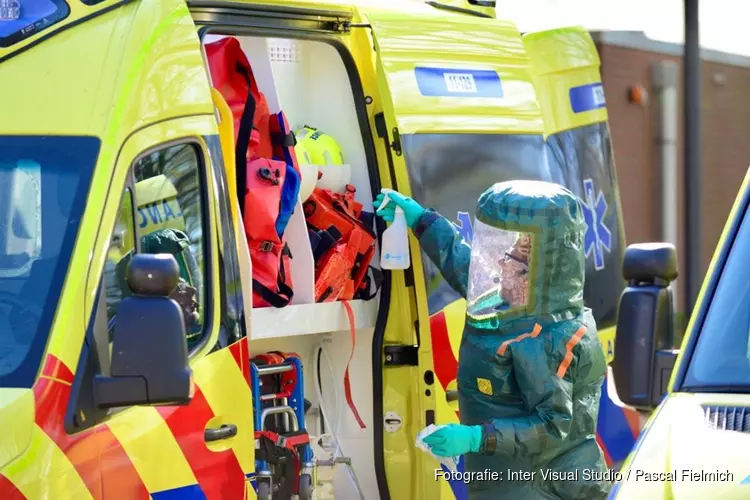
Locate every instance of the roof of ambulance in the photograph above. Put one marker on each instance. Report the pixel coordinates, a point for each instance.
(92, 75)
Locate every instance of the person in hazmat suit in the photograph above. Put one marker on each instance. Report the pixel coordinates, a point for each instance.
(530, 366)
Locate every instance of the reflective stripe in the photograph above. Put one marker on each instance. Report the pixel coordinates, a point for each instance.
(603, 447)
(51, 396)
(56, 370)
(533, 334)
(227, 391)
(444, 361)
(152, 448)
(8, 490)
(119, 476)
(569, 351)
(47, 472)
(218, 473)
(241, 355)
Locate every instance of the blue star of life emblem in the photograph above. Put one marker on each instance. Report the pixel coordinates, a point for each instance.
(463, 224)
(598, 236)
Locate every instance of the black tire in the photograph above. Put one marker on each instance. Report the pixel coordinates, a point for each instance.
(264, 490)
(305, 487)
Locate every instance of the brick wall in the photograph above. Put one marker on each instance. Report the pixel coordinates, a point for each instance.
(725, 140)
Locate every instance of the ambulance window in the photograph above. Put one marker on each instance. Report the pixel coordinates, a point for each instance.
(44, 181)
(585, 160)
(164, 211)
(122, 241)
(169, 218)
(448, 172)
(721, 358)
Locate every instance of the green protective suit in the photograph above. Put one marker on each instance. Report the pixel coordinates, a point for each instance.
(531, 375)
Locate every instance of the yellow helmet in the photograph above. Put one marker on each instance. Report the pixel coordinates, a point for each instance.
(316, 148)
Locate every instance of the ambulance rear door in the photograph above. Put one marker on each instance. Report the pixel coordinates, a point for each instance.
(458, 101)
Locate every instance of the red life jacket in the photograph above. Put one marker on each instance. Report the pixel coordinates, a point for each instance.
(267, 174)
(233, 77)
(272, 278)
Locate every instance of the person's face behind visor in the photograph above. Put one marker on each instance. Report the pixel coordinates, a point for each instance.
(499, 270)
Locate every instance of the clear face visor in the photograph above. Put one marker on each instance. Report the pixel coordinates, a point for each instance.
(499, 271)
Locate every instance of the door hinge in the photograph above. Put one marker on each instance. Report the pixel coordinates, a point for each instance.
(346, 26)
(401, 355)
(396, 144)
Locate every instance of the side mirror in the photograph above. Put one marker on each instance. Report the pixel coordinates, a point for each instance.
(644, 357)
(149, 348)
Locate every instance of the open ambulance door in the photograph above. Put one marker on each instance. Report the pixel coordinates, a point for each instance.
(446, 82)
(25, 23)
(565, 65)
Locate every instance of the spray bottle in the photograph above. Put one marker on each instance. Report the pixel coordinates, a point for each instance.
(394, 251)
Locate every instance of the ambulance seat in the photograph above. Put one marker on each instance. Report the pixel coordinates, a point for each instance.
(645, 325)
(160, 374)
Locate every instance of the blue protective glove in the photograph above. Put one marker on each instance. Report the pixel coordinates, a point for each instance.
(454, 440)
(412, 210)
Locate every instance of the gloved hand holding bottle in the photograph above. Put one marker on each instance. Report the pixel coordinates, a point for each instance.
(413, 211)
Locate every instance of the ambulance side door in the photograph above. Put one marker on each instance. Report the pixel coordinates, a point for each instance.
(205, 448)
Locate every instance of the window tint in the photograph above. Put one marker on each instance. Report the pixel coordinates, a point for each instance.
(44, 181)
(721, 359)
(448, 172)
(166, 216)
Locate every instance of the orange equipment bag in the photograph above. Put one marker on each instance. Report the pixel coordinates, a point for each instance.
(341, 271)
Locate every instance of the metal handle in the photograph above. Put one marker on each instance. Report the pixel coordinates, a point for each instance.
(273, 369)
(451, 396)
(276, 410)
(226, 431)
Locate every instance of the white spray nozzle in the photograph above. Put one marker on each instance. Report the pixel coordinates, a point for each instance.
(387, 199)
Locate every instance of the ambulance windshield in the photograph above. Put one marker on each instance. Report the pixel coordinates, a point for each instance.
(43, 187)
(721, 358)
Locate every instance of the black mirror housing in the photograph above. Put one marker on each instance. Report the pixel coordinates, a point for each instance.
(149, 347)
(644, 357)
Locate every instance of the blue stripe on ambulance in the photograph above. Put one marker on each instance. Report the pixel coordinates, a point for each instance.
(192, 492)
(460, 488)
(587, 97)
(613, 428)
(454, 82)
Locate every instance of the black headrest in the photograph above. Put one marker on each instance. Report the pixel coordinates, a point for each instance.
(649, 262)
(153, 274)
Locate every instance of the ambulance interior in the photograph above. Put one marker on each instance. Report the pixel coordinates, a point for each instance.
(309, 82)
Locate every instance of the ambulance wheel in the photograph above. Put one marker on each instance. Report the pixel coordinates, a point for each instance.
(305, 487)
(264, 491)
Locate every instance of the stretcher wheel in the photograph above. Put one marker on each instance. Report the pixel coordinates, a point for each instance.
(305, 487)
(264, 490)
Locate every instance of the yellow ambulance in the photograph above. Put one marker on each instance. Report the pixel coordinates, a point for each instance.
(110, 131)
